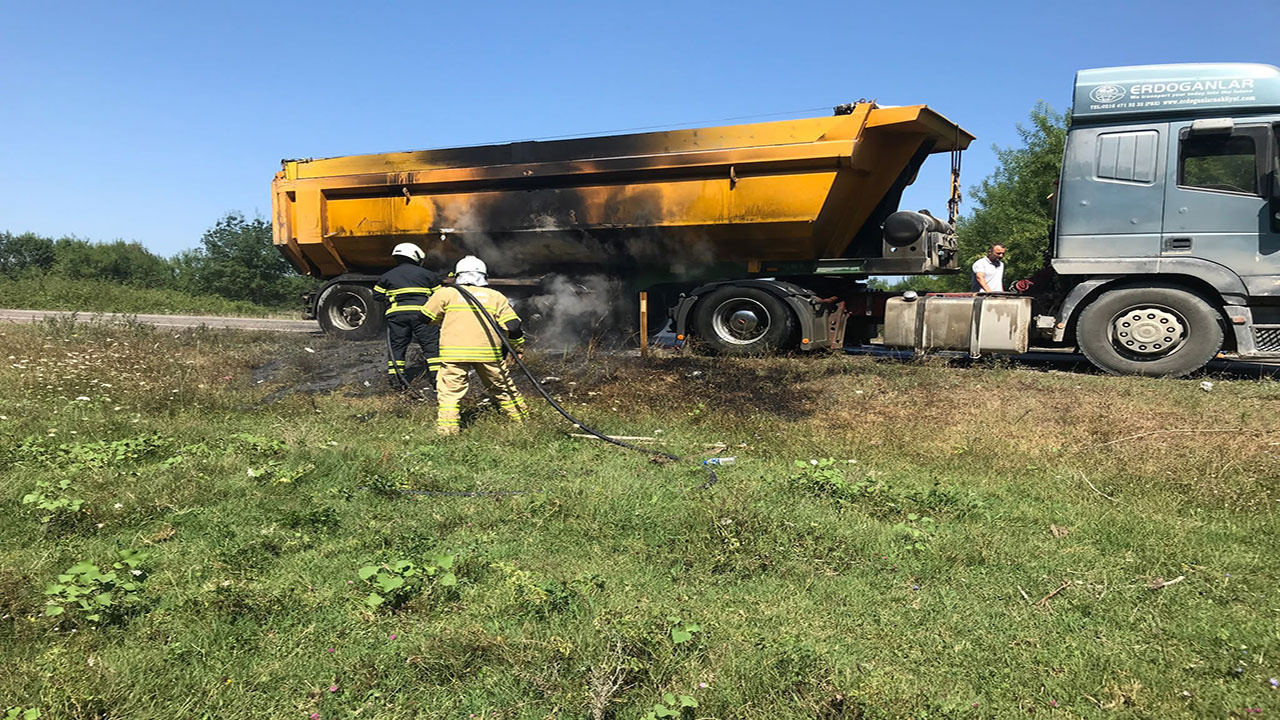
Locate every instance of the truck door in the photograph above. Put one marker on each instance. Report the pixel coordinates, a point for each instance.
(1217, 207)
(1111, 201)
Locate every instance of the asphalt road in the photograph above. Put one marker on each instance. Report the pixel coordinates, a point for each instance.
(171, 321)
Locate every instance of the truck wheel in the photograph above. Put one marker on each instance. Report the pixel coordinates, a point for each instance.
(744, 321)
(349, 312)
(1157, 331)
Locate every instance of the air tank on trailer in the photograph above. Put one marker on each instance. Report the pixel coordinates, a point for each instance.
(794, 198)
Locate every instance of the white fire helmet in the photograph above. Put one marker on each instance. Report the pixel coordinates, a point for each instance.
(471, 264)
(410, 251)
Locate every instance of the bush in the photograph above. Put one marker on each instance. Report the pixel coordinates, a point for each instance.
(25, 252)
(127, 263)
(238, 261)
(52, 292)
(236, 270)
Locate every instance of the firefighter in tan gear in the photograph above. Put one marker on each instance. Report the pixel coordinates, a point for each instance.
(468, 342)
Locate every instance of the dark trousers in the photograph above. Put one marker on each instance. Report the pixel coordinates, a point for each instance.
(405, 327)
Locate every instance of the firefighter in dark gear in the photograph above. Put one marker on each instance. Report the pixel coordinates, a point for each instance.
(406, 288)
(468, 342)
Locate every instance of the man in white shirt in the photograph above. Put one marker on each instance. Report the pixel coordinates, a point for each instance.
(988, 271)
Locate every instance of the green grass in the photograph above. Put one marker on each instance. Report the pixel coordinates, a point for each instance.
(51, 292)
(1054, 503)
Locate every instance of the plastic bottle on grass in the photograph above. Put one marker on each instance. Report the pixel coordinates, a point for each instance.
(720, 461)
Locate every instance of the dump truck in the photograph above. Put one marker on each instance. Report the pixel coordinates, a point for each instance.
(765, 229)
(1165, 251)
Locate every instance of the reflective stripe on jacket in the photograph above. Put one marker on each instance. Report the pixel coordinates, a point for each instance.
(406, 287)
(465, 336)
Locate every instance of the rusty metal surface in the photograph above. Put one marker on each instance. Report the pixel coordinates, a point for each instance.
(670, 201)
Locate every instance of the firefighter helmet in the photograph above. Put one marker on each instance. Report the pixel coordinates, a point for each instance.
(409, 251)
(470, 264)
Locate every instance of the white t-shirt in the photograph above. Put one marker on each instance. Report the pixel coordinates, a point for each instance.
(992, 273)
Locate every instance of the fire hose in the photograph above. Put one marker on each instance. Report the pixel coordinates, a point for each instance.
(515, 355)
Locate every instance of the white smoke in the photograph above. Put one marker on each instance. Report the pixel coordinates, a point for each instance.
(571, 312)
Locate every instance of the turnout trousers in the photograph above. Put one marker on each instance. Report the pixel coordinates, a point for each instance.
(451, 386)
(405, 327)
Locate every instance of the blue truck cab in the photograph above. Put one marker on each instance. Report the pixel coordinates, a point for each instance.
(1167, 244)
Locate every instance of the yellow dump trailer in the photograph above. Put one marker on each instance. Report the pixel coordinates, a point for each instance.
(795, 198)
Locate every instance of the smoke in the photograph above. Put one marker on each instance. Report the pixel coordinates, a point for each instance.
(570, 312)
(586, 291)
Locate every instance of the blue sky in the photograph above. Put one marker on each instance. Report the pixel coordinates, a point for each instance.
(148, 121)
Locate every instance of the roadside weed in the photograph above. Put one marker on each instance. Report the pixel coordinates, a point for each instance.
(396, 583)
(97, 597)
(672, 706)
(54, 499)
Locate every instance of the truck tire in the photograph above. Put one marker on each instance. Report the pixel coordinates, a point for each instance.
(1153, 331)
(735, 320)
(349, 312)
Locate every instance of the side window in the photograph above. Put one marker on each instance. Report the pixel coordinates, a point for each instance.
(1128, 156)
(1227, 163)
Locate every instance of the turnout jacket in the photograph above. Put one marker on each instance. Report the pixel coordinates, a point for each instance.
(406, 287)
(465, 336)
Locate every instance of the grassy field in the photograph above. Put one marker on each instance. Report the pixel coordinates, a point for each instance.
(50, 292)
(894, 540)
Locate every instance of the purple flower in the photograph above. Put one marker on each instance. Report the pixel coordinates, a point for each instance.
(315, 716)
(328, 649)
(1275, 683)
(1053, 703)
(393, 636)
(703, 685)
(333, 688)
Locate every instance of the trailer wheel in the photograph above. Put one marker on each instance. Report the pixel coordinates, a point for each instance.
(744, 321)
(349, 312)
(1156, 331)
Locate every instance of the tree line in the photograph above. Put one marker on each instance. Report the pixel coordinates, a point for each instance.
(236, 260)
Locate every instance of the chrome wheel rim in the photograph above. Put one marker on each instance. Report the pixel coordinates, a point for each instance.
(740, 321)
(1148, 332)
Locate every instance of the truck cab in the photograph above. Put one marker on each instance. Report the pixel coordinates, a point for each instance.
(1167, 248)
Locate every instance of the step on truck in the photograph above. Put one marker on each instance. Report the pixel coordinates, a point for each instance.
(761, 237)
